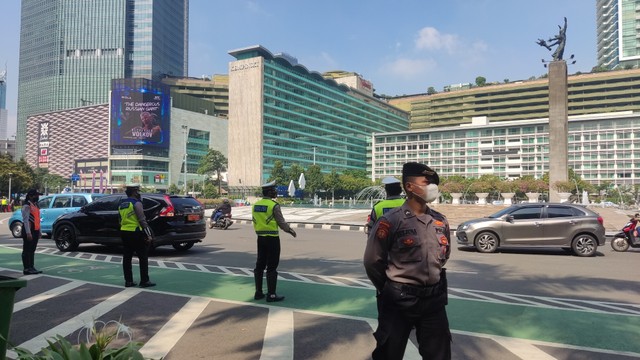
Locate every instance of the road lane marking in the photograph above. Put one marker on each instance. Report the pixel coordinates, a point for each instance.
(87, 317)
(173, 330)
(46, 295)
(522, 349)
(278, 335)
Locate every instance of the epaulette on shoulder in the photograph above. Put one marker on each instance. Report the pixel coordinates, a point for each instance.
(437, 215)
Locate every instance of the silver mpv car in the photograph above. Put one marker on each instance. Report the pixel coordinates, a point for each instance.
(536, 224)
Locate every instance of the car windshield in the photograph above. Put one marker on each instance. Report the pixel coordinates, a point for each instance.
(500, 213)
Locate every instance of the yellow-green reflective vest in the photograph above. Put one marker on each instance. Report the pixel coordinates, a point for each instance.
(381, 207)
(128, 219)
(263, 222)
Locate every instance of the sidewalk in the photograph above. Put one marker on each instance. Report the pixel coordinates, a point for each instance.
(354, 219)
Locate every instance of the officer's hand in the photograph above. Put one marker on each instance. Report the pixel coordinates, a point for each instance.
(292, 232)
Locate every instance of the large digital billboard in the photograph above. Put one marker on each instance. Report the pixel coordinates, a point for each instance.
(140, 113)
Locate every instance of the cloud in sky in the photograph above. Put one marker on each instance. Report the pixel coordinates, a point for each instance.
(430, 38)
(408, 68)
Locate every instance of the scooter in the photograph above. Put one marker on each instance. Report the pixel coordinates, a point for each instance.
(622, 241)
(223, 222)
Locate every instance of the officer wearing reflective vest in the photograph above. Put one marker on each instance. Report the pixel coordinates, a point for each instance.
(405, 255)
(30, 231)
(136, 237)
(393, 188)
(267, 220)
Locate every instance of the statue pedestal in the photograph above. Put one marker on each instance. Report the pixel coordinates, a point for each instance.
(482, 198)
(455, 198)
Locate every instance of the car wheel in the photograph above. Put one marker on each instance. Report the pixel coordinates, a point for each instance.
(65, 238)
(619, 244)
(183, 246)
(16, 229)
(486, 242)
(584, 245)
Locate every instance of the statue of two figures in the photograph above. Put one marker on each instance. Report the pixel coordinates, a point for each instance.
(558, 40)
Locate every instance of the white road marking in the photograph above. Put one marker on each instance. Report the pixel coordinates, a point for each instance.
(172, 331)
(522, 349)
(298, 276)
(278, 336)
(46, 295)
(39, 341)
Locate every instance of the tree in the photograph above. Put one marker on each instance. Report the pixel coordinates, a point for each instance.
(278, 173)
(294, 173)
(313, 176)
(431, 90)
(214, 162)
(332, 181)
(173, 189)
(481, 81)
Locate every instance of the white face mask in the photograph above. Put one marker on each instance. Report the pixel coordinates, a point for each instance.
(429, 192)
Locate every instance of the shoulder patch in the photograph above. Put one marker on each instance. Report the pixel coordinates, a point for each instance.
(383, 229)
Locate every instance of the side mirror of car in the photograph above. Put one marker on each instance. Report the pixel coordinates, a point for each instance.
(509, 218)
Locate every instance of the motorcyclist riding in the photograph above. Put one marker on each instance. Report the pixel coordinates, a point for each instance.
(221, 210)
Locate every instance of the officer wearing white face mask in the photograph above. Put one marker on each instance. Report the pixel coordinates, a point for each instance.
(404, 258)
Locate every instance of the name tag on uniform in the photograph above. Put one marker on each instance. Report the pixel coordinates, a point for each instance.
(260, 208)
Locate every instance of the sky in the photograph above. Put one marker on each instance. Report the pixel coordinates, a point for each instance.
(403, 47)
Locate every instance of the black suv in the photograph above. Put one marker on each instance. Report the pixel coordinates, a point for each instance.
(175, 220)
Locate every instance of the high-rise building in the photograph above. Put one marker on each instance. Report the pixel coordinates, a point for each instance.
(618, 43)
(70, 50)
(4, 116)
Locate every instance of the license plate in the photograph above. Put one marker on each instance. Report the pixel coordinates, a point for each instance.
(193, 217)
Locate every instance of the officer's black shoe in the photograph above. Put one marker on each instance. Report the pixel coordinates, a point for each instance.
(36, 270)
(130, 284)
(258, 295)
(147, 284)
(30, 272)
(274, 298)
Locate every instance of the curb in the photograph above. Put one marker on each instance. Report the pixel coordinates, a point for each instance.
(321, 226)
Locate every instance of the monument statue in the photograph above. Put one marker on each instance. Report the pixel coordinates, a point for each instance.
(558, 40)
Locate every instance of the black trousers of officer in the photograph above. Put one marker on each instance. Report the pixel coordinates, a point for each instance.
(134, 242)
(399, 311)
(29, 248)
(268, 258)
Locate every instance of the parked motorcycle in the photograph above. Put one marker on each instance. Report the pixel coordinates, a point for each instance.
(223, 222)
(622, 241)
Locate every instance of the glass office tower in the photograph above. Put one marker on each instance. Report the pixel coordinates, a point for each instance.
(70, 50)
(618, 42)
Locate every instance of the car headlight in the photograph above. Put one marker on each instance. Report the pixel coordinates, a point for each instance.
(463, 227)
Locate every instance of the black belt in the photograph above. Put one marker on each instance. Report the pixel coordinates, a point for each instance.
(418, 291)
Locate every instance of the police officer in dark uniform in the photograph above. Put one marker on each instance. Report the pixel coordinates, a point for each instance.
(267, 218)
(404, 259)
(393, 188)
(136, 236)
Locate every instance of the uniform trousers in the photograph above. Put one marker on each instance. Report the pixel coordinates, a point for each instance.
(29, 248)
(268, 254)
(399, 311)
(135, 242)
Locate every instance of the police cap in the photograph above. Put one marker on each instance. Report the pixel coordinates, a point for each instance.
(269, 184)
(389, 180)
(417, 169)
(133, 186)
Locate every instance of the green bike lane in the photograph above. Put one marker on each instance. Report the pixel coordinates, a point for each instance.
(575, 328)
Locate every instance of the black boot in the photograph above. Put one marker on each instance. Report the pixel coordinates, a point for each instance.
(257, 276)
(272, 280)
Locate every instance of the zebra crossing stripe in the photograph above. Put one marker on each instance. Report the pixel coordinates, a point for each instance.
(46, 295)
(40, 341)
(278, 336)
(167, 337)
(522, 349)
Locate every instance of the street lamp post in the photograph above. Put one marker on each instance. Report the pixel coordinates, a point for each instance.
(185, 131)
(314, 155)
(10, 174)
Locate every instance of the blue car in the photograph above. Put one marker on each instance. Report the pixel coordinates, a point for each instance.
(51, 208)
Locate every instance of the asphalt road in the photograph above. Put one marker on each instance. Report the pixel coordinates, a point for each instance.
(524, 304)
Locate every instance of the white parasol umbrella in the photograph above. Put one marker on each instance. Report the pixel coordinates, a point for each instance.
(302, 182)
(292, 189)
